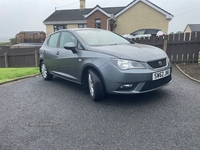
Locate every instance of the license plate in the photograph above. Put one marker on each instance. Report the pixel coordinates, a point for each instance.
(161, 74)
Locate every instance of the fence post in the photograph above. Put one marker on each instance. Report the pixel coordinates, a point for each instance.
(165, 45)
(36, 58)
(6, 60)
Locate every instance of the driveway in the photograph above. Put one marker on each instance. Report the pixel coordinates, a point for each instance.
(59, 115)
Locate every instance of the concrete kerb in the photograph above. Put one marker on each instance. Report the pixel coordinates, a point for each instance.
(186, 74)
(16, 79)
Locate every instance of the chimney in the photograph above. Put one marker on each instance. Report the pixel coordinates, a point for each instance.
(82, 4)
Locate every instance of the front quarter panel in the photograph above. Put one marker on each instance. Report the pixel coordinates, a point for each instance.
(93, 59)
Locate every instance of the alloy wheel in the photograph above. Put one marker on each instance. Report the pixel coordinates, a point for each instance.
(91, 85)
(44, 71)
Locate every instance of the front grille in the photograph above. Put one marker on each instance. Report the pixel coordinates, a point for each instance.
(158, 63)
(157, 83)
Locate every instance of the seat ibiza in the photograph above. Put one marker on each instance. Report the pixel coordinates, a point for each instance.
(104, 61)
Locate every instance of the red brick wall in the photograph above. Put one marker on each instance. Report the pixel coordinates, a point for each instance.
(31, 37)
(22, 37)
(97, 15)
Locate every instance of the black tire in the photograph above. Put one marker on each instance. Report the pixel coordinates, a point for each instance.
(44, 72)
(96, 86)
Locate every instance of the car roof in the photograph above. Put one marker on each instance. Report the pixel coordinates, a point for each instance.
(148, 29)
(74, 29)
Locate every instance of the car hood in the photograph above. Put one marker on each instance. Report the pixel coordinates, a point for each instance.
(136, 51)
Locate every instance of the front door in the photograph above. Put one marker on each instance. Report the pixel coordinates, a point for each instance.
(68, 62)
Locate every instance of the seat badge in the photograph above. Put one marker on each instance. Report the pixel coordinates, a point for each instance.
(160, 63)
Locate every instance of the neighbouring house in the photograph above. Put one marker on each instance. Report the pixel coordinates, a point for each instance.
(136, 15)
(192, 28)
(30, 37)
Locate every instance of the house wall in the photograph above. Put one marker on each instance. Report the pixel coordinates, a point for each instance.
(97, 15)
(49, 29)
(187, 29)
(72, 26)
(141, 16)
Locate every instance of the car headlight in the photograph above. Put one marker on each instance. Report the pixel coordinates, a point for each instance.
(127, 64)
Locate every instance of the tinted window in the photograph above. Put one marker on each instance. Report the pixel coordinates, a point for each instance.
(67, 37)
(139, 32)
(151, 31)
(79, 46)
(53, 40)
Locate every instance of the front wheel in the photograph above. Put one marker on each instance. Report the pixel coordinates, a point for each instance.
(44, 72)
(96, 86)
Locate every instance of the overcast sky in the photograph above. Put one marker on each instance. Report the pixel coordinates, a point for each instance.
(28, 15)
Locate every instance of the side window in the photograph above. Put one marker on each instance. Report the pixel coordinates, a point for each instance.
(79, 46)
(67, 37)
(139, 32)
(53, 40)
(151, 31)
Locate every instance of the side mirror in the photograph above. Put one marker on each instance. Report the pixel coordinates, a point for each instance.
(70, 46)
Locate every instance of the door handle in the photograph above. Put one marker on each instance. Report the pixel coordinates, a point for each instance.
(57, 53)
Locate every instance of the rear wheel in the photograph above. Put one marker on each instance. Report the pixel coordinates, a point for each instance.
(96, 86)
(44, 72)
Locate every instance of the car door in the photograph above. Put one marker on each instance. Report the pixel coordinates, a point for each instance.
(50, 51)
(68, 62)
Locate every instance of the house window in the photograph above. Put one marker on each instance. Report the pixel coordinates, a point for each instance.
(82, 25)
(59, 27)
(98, 23)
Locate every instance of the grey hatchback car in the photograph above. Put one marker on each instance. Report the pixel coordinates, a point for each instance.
(104, 61)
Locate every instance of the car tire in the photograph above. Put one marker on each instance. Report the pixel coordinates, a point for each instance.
(96, 86)
(44, 72)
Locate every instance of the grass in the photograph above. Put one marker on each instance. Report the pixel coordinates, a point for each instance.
(8, 74)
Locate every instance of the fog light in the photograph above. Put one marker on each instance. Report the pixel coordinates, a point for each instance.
(126, 86)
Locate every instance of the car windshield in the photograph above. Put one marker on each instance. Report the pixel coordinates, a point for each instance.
(100, 37)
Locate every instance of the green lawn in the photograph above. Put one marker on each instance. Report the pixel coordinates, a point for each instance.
(7, 74)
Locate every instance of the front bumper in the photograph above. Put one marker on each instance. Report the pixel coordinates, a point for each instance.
(140, 79)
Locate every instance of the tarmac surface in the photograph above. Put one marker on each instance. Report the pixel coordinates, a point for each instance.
(59, 115)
